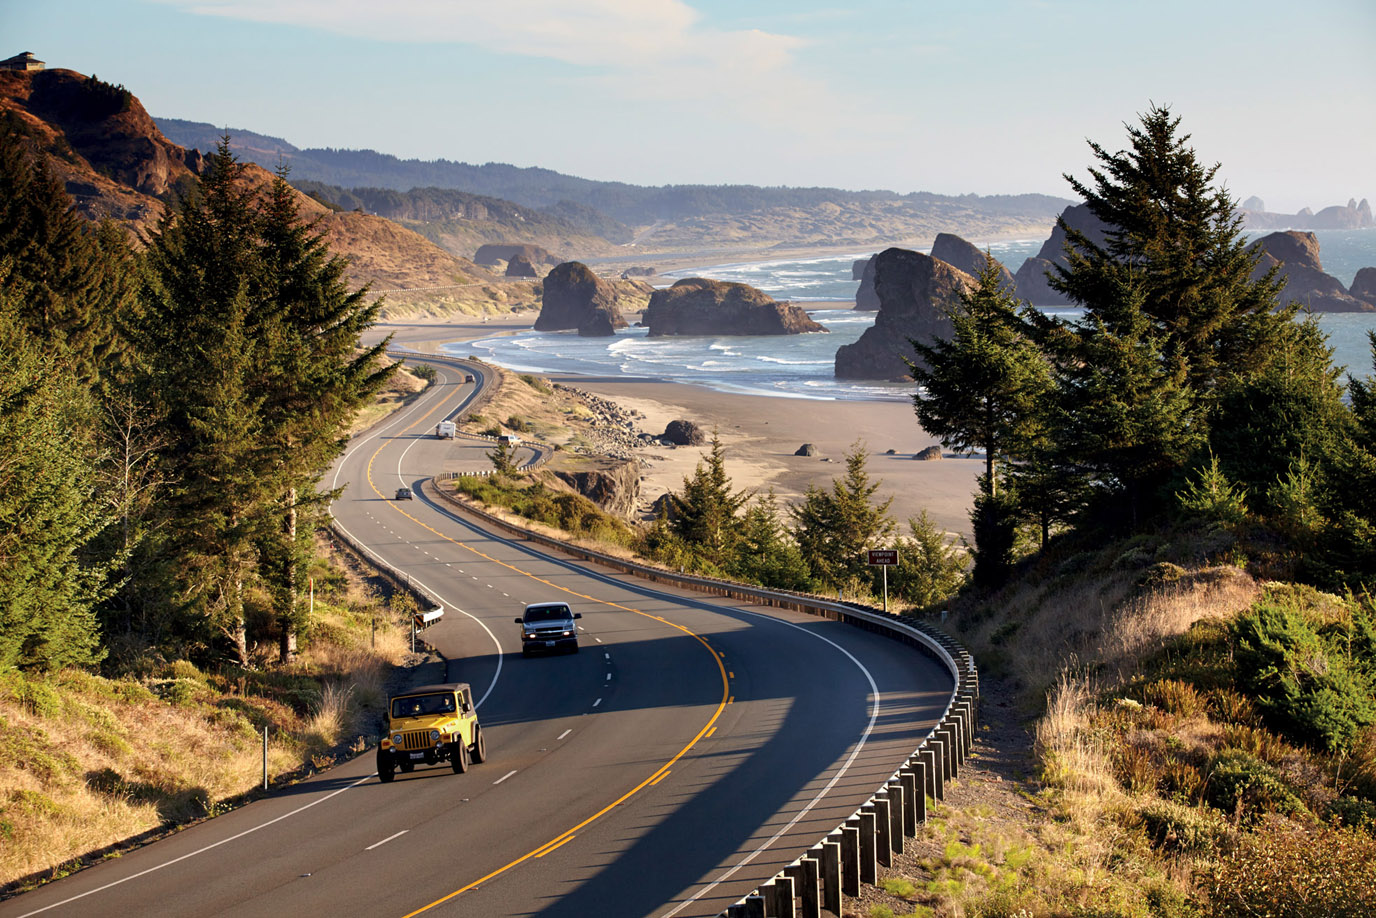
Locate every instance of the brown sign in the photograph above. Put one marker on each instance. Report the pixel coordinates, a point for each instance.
(883, 556)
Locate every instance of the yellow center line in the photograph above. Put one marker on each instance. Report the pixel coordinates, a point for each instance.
(658, 775)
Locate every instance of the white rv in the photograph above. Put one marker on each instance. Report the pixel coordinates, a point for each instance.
(444, 430)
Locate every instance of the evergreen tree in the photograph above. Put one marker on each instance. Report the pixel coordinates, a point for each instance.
(1177, 240)
(766, 554)
(706, 511)
(50, 514)
(835, 527)
(985, 387)
(930, 569)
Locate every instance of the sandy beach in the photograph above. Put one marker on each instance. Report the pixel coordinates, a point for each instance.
(761, 433)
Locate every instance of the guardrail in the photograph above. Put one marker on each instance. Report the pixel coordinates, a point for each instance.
(850, 854)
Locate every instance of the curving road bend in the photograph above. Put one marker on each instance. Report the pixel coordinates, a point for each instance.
(693, 747)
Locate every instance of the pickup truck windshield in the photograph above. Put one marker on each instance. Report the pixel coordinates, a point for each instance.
(422, 705)
(548, 614)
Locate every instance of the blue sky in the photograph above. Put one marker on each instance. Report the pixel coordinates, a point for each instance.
(982, 96)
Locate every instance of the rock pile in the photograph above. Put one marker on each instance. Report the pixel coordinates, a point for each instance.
(613, 430)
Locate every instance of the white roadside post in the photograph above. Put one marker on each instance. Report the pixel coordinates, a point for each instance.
(883, 558)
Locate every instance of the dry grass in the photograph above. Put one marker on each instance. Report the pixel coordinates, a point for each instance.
(94, 762)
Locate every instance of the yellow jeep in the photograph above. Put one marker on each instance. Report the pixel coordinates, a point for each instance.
(431, 724)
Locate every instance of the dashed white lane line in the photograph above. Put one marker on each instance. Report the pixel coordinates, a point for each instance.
(607, 655)
(598, 640)
(504, 777)
(609, 677)
(386, 840)
(565, 733)
(597, 702)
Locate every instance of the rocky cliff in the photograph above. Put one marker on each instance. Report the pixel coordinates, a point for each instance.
(915, 293)
(1297, 254)
(575, 297)
(697, 306)
(1030, 281)
(612, 484)
(968, 257)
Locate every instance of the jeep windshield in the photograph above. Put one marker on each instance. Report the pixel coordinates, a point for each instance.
(548, 614)
(422, 705)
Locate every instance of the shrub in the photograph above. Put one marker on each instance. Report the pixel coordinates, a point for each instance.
(1296, 871)
(1354, 812)
(1174, 696)
(1182, 829)
(1242, 784)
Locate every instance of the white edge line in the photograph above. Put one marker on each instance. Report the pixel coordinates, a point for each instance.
(386, 840)
(504, 777)
(564, 734)
(217, 844)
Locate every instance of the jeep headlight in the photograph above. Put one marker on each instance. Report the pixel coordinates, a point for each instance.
(434, 736)
(396, 739)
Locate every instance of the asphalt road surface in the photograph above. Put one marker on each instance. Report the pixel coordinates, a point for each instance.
(691, 749)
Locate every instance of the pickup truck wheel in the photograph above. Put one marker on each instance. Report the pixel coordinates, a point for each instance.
(479, 746)
(458, 757)
(386, 771)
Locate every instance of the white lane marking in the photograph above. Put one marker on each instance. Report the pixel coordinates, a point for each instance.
(850, 760)
(598, 640)
(564, 734)
(504, 777)
(387, 839)
(609, 677)
(597, 702)
(607, 655)
(223, 841)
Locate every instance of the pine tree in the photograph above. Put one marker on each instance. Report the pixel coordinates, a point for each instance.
(834, 527)
(930, 568)
(765, 553)
(986, 386)
(706, 511)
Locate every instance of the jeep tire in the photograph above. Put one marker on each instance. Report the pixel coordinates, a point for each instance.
(386, 768)
(479, 746)
(458, 756)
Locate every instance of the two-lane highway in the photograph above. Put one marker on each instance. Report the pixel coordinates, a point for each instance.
(689, 751)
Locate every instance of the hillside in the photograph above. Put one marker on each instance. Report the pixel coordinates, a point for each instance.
(116, 164)
(671, 216)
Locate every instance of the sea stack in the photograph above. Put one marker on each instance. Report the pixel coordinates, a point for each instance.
(697, 306)
(916, 293)
(574, 297)
(1297, 255)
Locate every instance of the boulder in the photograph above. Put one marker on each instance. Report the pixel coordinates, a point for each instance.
(916, 293)
(520, 266)
(683, 433)
(492, 253)
(697, 306)
(969, 258)
(1297, 255)
(1030, 281)
(1364, 285)
(865, 297)
(930, 454)
(807, 449)
(574, 297)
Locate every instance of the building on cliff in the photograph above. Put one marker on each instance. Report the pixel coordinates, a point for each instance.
(24, 61)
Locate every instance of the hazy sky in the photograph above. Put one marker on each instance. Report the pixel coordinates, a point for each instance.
(982, 96)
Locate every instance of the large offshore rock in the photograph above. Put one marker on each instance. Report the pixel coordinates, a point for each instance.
(697, 306)
(1364, 285)
(520, 266)
(574, 297)
(1030, 281)
(969, 258)
(492, 253)
(1297, 254)
(916, 293)
(865, 297)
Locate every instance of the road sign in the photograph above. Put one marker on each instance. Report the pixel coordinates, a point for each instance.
(885, 556)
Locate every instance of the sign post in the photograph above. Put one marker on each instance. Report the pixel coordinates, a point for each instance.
(884, 558)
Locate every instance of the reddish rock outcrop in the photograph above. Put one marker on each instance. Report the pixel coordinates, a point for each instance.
(574, 297)
(916, 293)
(697, 306)
(1297, 254)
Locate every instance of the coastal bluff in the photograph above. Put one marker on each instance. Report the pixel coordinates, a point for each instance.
(697, 306)
(915, 293)
(574, 297)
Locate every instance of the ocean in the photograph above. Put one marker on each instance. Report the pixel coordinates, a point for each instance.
(800, 366)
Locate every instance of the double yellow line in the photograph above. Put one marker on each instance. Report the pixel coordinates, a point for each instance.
(658, 775)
